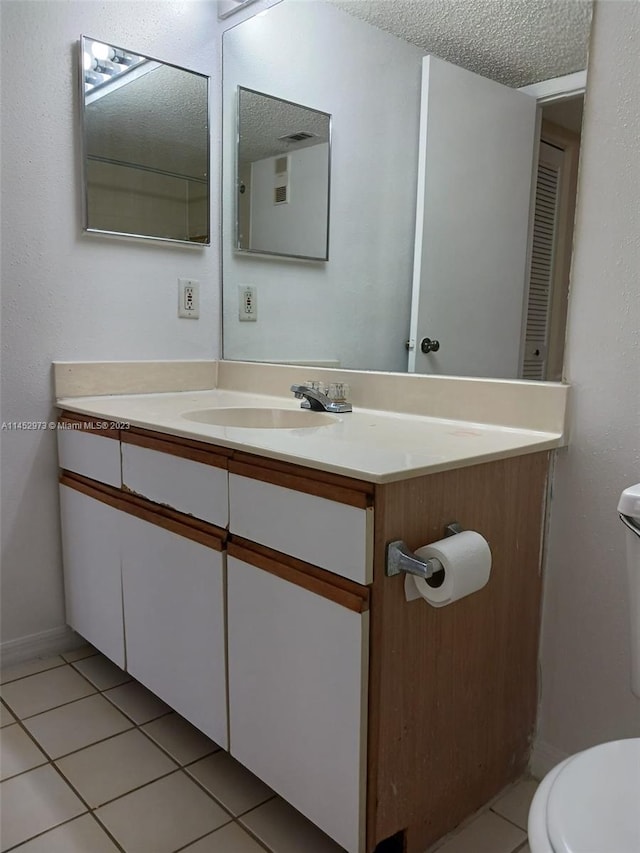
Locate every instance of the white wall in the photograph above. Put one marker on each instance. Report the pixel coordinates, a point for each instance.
(298, 227)
(68, 295)
(586, 694)
(370, 83)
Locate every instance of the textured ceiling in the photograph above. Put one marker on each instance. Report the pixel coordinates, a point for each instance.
(516, 42)
(264, 119)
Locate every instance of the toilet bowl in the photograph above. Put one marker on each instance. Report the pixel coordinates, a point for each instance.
(590, 803)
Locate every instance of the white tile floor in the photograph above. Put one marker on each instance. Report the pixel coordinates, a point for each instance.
(91, 762)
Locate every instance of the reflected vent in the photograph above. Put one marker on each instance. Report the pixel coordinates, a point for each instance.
(300, 136)
(281, 180)
(281, 195)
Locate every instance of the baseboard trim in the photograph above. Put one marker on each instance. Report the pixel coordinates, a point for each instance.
(44, 644)
(544, 757)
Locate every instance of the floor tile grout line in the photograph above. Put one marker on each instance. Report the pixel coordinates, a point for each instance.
(64, 705)
(207, 792)
(48, 758)
(84, 802)
(52, 762)
(92, 683)
(90, 655)
(485, 809)
(201, 785)
(200, 837)
(102, 692)
(508, 819)
(119, 847)
(239, 825)
(91, 810)
(164, 749)
(136, 789)
(7, 708)
(251, 832)
(38, 672)
(127, 715)
(94, 743)
(44, 832)
(107, 831)
(58, 770)
(178, 765)
(131, 727)
(53, 707)
(96, 690)
(22, 772)
(131, 680)
(80, 748)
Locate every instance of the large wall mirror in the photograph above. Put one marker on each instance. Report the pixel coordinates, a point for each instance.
(439, 197)
(145, 146)
(283, 179)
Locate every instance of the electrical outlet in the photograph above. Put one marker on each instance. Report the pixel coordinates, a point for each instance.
(248, 307)
(188, 298)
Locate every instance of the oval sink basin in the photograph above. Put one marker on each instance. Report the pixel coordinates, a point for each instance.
(261, 418)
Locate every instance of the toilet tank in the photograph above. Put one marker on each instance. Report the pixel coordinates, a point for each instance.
(629, 509)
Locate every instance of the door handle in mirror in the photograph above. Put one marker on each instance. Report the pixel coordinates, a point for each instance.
(427, 345)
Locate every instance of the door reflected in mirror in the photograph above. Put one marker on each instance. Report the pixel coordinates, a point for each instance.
(283, 177)
(145, 142)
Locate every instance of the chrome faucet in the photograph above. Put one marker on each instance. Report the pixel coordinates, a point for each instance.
(315, 400)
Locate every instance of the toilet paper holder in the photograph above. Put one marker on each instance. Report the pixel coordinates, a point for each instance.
(400, 558)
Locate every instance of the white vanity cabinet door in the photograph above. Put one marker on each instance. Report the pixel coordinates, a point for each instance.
(173, 592)
(93, 455)
(325, 533)
(186, 485)
(92, 580)
(297, 697)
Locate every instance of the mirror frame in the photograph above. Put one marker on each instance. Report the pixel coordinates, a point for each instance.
(262, 252)
(86, 229)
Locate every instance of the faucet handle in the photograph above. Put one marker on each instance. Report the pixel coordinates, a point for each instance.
(338, 392)
(316, 385)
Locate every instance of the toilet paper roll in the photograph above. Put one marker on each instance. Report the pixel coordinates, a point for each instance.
(466, 559)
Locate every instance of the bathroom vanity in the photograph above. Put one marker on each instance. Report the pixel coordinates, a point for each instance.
(239, 574)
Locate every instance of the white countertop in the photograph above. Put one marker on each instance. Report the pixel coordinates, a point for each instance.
(371, 445)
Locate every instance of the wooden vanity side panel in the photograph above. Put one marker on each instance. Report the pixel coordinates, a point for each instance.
(453, 690)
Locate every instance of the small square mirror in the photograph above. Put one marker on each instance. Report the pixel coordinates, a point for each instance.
(145, 146)
(283, 177)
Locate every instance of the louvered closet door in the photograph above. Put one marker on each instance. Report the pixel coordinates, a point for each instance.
(542, 262)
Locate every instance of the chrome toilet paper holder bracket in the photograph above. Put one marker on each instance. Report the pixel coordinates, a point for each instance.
(400, 558)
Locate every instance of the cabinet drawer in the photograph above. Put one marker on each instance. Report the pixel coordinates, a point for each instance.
(94, 454)
(335, 536)
(189, 485)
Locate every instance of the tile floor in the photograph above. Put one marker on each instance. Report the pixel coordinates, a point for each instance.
(92, 762)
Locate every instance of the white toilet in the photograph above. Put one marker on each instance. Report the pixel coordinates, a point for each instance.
(590, 803)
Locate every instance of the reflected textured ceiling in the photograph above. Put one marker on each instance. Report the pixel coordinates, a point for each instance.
(158, 121)
(516, 42)
(263, 120)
